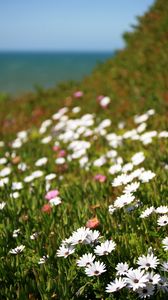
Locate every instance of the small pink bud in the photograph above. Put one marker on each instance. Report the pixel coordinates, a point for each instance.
(46, 208)
(100, 178)
(93, 223)
(78, 94)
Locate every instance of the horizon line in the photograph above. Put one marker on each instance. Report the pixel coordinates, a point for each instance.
(61, 50)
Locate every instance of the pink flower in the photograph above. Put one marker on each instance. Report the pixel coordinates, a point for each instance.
(100, 178)
(62, 153)
(93, 223)
(51, 194)
(46, 208)
(99, 98)
(56, 148)
(78, 94)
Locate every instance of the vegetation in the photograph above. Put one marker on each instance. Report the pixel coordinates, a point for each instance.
(90, 155)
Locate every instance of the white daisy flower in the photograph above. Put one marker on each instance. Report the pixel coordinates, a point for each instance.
(123, 200)
(163, 134)
(118, 180)
(111, 209)
(163, 285)
(146, 138)
(122, 179)
(37, 174)
(5, 172)
(46, 140)
(22, 135)
(22, 167)
(78, 154)
(42, 129)
(2, 205)
(105, 101)
(79, 236)
(17, 250)
(17, 186)
(86, 260)
(146, 291)
(111, 154)
(141, 118)
(119, 160)
(115, 285)
(41, 162)
(43, 259)
(3, 161)
(115, 169)
(105, 123)
(121, 125)
(165, 266)
(165, 243)
(67, 242)
(55, 201)
(105, 248)
(96, 269)
(76, 109)
(151, 112)
(149, 261)
(100, 131)
(136, 279)
(92, 237)
(50, 176)
(28, 178)
(116, 142)
(99, 162)
(141, 127)
(15, 233)
(34, 236)
(4, 181)
(47, 186)
(60, 160)
(153, 278)
(83, 161)
(132, 187)
(127, 167)
(163, 209)
(122, 268)
(2, 144)
(65, 250)
(60, 113)
(147, 212)
(136, 173)
(137, 158)
(135, 137)
(146, 176)
(17, 143)
(46, 123)
(88, 133)
(14, 195)
(162, 221)
(129, 134)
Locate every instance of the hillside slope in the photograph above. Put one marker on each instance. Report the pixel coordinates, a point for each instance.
(137, 75)
(136, 79)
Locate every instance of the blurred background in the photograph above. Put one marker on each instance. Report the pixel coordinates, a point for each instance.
(45, 42)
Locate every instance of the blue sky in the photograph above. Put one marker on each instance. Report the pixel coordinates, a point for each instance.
(67, 24)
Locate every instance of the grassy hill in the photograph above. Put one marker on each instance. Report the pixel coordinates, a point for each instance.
(86, 178)
(136, 77)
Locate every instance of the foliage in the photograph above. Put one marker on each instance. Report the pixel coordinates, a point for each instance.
(136, 81)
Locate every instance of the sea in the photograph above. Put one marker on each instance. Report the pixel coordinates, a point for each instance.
(21, 72)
